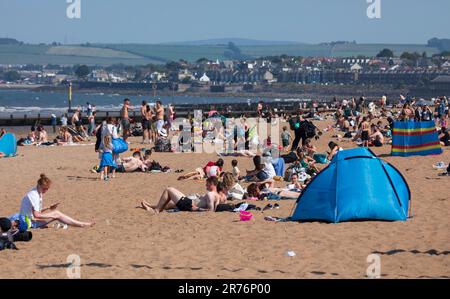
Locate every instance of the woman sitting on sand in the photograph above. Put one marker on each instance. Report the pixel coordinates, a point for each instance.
(172, 198)
(42, 136)
(32, 208)
(307, 162)
(235, 191)
(308, 148)
(64, 136)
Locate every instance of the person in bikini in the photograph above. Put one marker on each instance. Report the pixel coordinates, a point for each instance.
(172, 198)
(210, 169)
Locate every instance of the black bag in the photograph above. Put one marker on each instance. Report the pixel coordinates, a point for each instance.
(22, 236)
(310, 129)
(162, 145)
(156, 166)
(290, 158)
(137, 131)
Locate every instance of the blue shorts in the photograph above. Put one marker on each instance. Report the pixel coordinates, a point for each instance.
(262, 175)
(38, 224)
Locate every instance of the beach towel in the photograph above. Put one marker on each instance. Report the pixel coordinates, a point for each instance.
(320, 158)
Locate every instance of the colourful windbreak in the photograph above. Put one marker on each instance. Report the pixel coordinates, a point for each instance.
(415, 138)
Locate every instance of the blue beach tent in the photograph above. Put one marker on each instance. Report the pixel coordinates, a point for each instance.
(356, 185)
(8, 145)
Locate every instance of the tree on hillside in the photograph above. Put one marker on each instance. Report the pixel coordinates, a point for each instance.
(82, 71)
(385, 53)
(410, 56)
(202, 60)
(234, 53)
(173, 66)
(11, 76)
(186, 80)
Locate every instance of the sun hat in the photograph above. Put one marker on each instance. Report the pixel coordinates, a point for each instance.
(162, 133)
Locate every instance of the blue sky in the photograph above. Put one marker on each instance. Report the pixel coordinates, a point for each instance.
(156, 21)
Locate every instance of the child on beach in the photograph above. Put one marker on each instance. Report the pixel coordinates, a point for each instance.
(107, 160)
(295, 184)
(286, 138)
(236, 172)
(365, 132)
(91, 120)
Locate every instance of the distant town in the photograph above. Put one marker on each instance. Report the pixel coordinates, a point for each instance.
(419, 73)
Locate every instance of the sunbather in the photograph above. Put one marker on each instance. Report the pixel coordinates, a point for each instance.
(212, 169)
(172, 198)
(132, 163)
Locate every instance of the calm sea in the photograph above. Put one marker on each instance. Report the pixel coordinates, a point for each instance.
(19, 102)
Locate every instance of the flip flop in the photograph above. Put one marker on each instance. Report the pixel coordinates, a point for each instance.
(267, 207)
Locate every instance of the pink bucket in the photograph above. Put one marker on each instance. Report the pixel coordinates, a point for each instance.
(245, 216)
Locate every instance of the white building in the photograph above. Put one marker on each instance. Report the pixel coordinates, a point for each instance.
(204, 79)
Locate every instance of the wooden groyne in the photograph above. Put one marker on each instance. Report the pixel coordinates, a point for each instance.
(181, 110)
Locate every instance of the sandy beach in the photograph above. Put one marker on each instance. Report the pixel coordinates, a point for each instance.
(131, 243)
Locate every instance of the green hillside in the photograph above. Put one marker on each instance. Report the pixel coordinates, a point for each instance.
(67, 55)
(165, 53)
(139, 54)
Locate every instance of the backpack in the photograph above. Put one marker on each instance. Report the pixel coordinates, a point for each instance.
(310, 129)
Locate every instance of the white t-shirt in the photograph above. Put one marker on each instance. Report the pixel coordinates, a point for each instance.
(213, 171)
(236, 172)
(236, 192)
(269, 169)
(31, 202)
(110, 130)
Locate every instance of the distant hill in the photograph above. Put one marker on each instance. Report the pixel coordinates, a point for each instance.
(141, 54)
(9, 41)
(442, 44)
(236, 41)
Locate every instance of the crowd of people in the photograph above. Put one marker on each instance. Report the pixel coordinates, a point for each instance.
(293, 163)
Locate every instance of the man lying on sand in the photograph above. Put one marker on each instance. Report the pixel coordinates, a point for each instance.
(32, 208)
(212, 169)
(132, 164)
(172, 198)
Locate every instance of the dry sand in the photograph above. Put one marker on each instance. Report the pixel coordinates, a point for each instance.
(131, 243)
